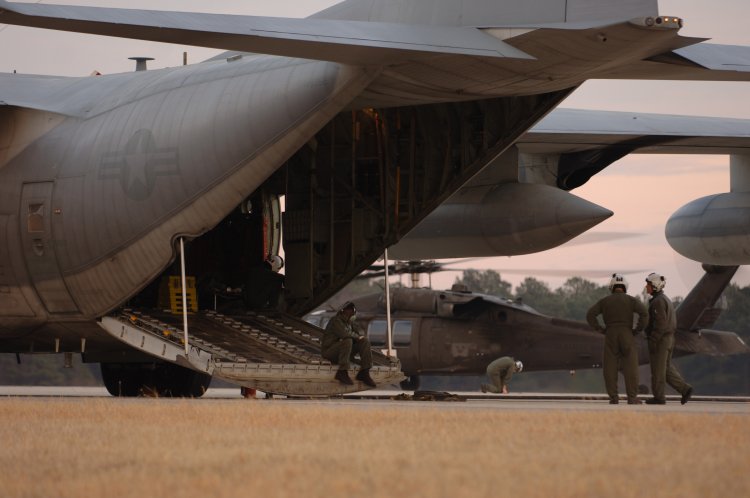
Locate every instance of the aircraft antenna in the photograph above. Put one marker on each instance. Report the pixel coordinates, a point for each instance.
(184, 293)
(388, 304)
(140, 62)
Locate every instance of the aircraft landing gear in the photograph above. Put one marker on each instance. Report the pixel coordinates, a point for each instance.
(158, 379)
(411, 383)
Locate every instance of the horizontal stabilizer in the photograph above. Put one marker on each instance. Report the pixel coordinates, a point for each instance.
(710, 342)
(697, 62)
(718, 57)
(348, 42)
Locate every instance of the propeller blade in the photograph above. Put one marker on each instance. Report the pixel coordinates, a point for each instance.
(569, 272)
(597, 237)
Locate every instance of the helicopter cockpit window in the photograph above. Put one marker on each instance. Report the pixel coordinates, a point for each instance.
(401, 333)
(313, 320)
(377, 331)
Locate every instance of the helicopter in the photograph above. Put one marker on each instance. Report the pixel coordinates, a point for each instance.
(459, 332)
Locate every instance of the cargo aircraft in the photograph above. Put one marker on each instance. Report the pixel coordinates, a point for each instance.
(365, 117)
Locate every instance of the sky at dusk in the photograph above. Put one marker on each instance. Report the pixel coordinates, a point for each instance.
(642, 190)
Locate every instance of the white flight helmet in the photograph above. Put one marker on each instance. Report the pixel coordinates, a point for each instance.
(657, 281)
(519, 366)
(617, 279)
(276, 262)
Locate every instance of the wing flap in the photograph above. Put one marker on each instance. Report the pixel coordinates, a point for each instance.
(348, 42)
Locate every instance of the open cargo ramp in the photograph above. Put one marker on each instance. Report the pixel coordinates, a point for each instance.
(270, 351)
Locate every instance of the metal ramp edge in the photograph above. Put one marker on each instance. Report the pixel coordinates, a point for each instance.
(164, 341)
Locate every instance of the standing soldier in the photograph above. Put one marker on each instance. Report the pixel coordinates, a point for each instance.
(500, 372)
(617, 310)
(660, 332)
(343, 339)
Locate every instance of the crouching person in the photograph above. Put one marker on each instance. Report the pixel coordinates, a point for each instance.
(342, 340)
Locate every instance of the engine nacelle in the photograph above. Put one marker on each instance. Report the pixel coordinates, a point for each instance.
(713, 229)
(500, 220)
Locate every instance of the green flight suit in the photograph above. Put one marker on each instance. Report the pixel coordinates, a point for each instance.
(499, 372)
(617, 311)
(342, 340)
(660, 332)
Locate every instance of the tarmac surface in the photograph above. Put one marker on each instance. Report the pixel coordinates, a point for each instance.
(407, 400)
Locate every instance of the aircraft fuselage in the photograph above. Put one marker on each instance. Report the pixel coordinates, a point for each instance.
(91, 209)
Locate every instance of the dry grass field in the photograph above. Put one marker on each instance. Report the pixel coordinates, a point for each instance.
(206, 448)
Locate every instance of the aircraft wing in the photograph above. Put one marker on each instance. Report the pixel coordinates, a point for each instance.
(348, 42)
(566, 131)
(700, 62)
(582, 143)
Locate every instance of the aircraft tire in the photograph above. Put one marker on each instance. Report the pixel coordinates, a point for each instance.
(123, 379)
(153, 379)
(178, 382)
(411, 383)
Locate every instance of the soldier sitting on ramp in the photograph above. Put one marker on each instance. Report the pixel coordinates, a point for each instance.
(342, 340)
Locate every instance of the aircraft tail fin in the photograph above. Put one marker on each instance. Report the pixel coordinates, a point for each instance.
(702, 306)
(489, 13)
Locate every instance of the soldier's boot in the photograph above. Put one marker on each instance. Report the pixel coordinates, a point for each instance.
(485, 388)
(635, 401)
(615, 400)
(364, 376)
(655, 401)
(687, 395)
(343, 377)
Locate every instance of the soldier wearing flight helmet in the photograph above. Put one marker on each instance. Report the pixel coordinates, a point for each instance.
(660, 332)
(500, 372)
(617, 312)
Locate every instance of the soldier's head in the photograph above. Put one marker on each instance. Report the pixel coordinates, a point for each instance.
(349, 310)
(655, 283)
(618, 283)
